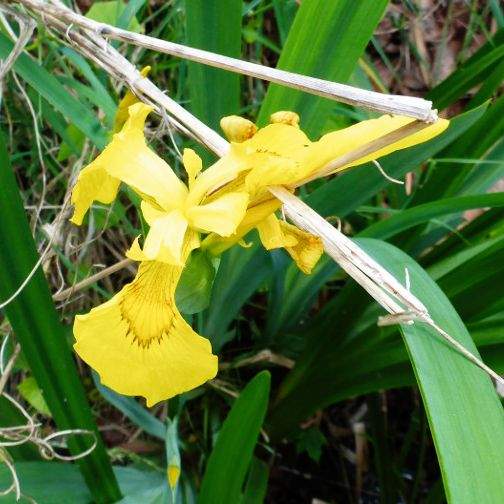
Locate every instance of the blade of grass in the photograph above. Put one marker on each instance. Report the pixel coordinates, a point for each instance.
(37, 327)
(214, 26)
(134, 411)
(51, 90)
(326, 46)
(230, 459)
(475, 70)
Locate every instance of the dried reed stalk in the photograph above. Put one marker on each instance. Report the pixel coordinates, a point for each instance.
(410, 106)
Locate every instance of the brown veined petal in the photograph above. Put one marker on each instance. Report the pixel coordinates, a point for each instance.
(139, 343)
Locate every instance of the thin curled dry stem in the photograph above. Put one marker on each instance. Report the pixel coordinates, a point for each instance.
(31, 431)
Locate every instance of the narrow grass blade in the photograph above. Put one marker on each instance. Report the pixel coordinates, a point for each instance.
(425, 213)
(133, 410)
(51, 90)
(214, 26)
(324, 45)
(232, 454)
(257, 483)
(475, 70)
(37, 327)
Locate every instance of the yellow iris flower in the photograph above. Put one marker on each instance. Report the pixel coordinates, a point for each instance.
(138, 341)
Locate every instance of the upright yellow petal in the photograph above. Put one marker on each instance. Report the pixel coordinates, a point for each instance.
(308, 249)
(221, 216)
(129, 159)
(93, 184)
(192, 164)
(129, 99)
(216, 244)
(166, 237)
(139, 343)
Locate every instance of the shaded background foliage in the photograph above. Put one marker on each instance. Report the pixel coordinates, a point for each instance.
(342, 418)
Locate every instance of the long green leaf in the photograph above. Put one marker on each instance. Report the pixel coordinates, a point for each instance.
(326, 40)
(232, 454)
(60, 483)
(424, 213)
(37, 327)
(465, 415)
(214, 26)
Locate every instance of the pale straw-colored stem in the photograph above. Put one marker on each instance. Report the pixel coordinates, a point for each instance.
(375, 279)
(66, 293)
(417, 108)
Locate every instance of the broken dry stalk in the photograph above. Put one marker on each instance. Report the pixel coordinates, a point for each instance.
(64, 294)
(402, 305)
(417, 108)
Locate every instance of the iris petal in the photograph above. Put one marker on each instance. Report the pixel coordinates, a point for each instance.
(93, 184)
(221, 216)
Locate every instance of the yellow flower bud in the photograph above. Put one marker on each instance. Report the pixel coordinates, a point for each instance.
(237, 129)
(285, 117)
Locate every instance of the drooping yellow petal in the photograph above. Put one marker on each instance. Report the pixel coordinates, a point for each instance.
(272, 235)
(165, 239)
(221, 216)
(308, 249)
(237, 129)
(192, 164)
(93, 184)
(129, 99)
(139, 343)
(221, 174)
(305, 248)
